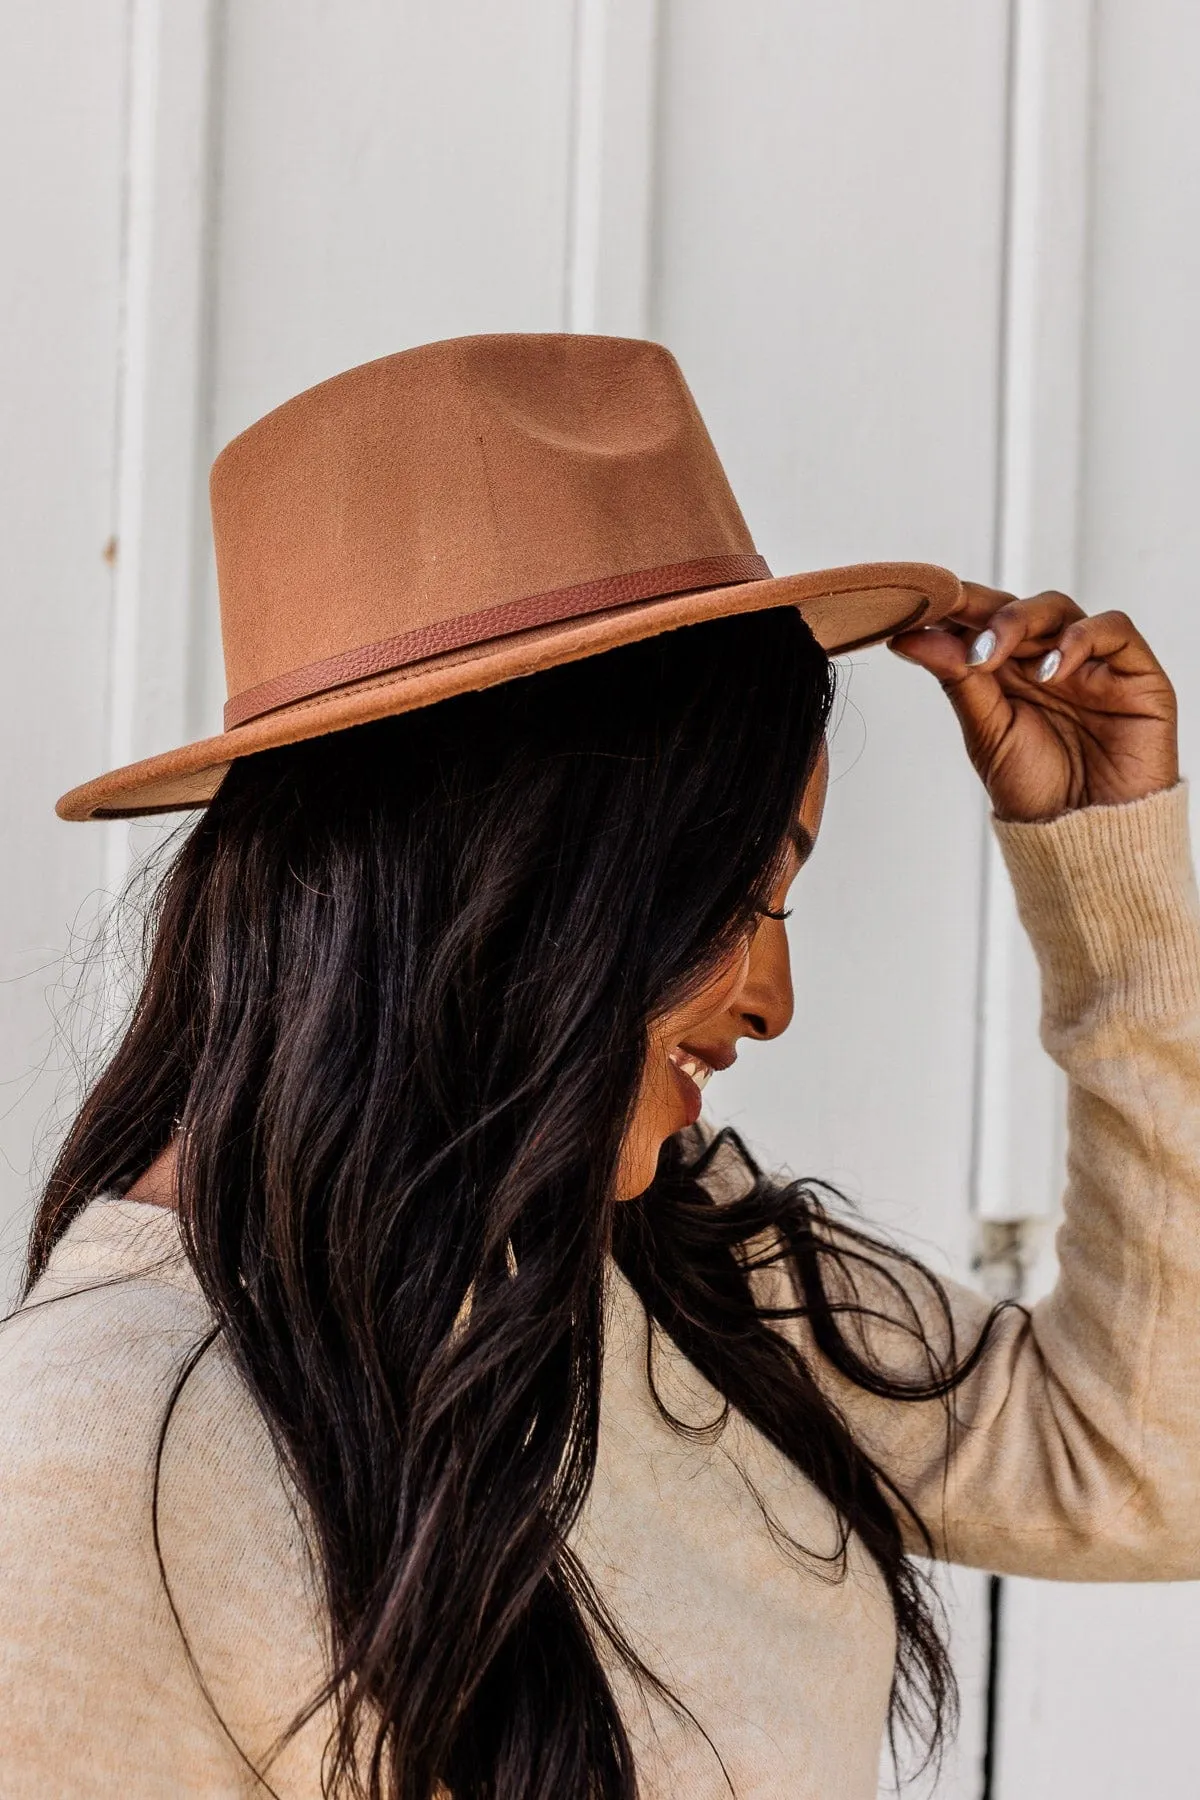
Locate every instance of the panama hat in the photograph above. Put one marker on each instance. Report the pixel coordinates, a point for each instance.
(466, 513)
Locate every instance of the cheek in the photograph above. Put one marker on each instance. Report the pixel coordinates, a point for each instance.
(713, 1000)
(659, 1110)
(652, 1124)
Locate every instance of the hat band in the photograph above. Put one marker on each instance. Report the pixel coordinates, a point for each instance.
(552, 608)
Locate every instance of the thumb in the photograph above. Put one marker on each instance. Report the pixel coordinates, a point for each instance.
(942, 652)
(983, 708)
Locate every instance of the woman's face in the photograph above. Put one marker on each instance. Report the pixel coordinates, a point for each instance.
(750, 996)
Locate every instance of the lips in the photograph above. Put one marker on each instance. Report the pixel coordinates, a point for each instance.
(692, 1075)
(692, 1066)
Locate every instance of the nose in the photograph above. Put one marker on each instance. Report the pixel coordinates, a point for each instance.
(765, 1002)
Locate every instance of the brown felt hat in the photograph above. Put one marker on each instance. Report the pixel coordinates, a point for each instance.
(464, 513)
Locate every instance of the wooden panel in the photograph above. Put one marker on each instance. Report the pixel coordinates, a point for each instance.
(1140, 528)
(162, 440)
(390, 174)
(163, 523)
(612, 166)
(1020, 1096)
(61, 146)
(808, 203)
(1099, 1692)
(1098, 1683)
(829, 272)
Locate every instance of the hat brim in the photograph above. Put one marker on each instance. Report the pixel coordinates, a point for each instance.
(846, 609)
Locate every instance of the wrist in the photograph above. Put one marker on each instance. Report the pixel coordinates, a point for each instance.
(1108, 897)
(1043, 810)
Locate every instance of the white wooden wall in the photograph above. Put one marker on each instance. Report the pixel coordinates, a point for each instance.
(933, 271)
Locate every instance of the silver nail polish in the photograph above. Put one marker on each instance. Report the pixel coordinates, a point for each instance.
(981, 649)
(1049, 666)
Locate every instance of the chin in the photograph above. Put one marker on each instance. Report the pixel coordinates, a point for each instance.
(634, 1186)
(637, 1173)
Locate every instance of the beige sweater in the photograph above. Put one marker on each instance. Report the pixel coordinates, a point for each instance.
(1079, 1454)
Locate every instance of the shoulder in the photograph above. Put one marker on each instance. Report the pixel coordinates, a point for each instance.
(88, 1362)
(113, 1382)
(128, 1500)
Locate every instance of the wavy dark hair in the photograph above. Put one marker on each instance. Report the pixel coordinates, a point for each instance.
(395, 1014)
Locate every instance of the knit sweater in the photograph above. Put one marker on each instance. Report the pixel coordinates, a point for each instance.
(1076, 1453)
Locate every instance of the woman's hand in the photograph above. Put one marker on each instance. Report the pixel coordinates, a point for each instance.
(1058, 710)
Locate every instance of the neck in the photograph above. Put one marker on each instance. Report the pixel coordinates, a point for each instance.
(156, 1185)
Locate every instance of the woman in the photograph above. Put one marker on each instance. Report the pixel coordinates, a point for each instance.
(409, 1397)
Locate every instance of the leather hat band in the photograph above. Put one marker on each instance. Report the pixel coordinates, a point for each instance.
(552, 608)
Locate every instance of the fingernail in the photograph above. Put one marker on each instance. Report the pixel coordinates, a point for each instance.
(1049, 666)
(981, 649)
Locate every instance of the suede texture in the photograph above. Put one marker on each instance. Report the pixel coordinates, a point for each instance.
(469, 512)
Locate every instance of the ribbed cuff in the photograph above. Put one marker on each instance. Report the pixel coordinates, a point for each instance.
(1108, 897)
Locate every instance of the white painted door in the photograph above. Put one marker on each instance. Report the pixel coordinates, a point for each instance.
(932, 271)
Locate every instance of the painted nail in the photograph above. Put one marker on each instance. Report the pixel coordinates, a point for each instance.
(981, 649)
(1049, 666)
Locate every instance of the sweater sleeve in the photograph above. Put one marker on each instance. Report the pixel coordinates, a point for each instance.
(1073, 1448)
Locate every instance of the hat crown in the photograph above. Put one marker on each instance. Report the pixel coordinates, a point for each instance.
(466, 513)
(452, 480)
(591, 396)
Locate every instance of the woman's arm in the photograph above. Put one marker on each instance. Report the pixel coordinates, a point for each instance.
(1074, 1449)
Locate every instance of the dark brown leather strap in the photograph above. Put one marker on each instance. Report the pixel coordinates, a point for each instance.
(552, 608)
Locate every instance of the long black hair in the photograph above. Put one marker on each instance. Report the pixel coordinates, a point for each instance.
(395, 1014)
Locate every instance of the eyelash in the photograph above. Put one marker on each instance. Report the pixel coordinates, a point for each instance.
(768, 913)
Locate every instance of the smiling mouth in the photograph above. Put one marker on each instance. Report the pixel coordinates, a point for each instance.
(692, 1075)
(691, 1065)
